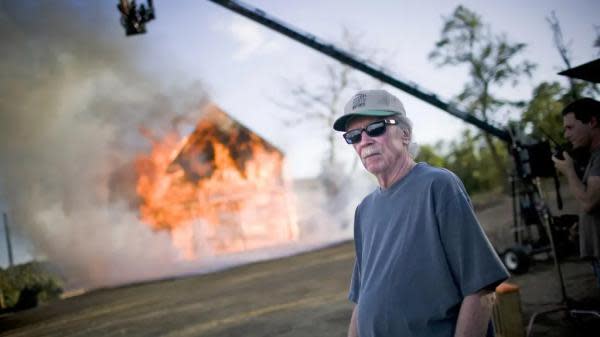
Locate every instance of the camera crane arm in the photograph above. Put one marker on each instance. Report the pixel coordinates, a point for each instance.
(524, 169)
(134, 23)
(321, 46)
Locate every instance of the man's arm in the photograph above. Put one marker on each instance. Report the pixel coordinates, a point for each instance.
(474, 315)
(353, 328)
(589, 197)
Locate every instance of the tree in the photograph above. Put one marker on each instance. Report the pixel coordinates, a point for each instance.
(322, 102)
(563, 50)
(577, 88)
(469, 157)
(430, 154)
(543, 112)
(492, 61)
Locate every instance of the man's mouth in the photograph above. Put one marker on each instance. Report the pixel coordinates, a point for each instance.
(369, 152)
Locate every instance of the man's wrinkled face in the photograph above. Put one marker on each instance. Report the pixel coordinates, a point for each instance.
(381, 154)
(577, 132)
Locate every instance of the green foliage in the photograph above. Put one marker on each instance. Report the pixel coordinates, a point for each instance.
(430, 154)
(473, 162)
(470, 158)
(31, 276)
(543, 113)
(491, 60)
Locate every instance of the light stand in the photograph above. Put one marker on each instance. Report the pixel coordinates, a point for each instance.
(566, 303)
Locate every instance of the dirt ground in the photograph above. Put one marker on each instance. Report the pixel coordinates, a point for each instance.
(303, 295)
(540, 288)
(540, 291)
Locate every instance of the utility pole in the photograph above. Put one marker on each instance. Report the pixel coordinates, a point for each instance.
(8, 245)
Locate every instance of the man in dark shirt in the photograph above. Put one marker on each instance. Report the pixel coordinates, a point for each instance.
(582, 129)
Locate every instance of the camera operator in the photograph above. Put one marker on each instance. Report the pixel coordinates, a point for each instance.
(581, 122)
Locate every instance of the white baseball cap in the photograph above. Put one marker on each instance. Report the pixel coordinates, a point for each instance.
(370, 103)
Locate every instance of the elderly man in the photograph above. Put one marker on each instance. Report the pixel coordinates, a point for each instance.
(424, 266)
(582, 129)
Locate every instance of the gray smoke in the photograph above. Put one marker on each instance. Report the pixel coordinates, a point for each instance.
(72, 100)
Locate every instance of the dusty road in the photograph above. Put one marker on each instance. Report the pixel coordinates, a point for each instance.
(299, 296)
(303, 295)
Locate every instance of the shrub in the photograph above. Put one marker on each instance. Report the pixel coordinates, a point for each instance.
(26, 285)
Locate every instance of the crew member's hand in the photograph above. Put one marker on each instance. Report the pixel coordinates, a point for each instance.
(565, 166)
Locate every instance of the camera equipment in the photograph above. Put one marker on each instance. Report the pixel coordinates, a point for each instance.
(133, 17)
(532, 160)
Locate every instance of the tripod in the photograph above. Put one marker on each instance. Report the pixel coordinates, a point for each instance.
(566, 304)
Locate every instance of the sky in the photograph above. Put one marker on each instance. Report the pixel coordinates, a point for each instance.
(246, 67)
(74, 91)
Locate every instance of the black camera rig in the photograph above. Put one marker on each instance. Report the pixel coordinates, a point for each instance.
(532, 161)
(134, 17)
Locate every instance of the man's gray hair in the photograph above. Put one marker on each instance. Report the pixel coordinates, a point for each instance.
(406, 124)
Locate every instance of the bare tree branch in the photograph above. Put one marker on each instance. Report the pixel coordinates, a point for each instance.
(322, 102)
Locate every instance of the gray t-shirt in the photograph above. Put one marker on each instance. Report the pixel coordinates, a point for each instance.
(589, 223)
(419, 251)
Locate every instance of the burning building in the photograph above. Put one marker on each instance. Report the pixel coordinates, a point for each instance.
(219, 190)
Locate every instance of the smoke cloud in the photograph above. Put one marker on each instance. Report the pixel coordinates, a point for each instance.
(72, 100)
(73, 96)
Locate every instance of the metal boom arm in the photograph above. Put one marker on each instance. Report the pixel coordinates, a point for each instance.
(312, 41)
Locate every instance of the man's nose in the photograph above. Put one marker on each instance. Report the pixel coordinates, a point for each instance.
(365, 138)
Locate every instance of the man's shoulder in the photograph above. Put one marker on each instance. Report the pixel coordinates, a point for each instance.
(593, 165)
(435, 174)
(440, 180)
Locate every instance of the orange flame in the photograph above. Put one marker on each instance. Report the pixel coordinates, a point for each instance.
(220, 190)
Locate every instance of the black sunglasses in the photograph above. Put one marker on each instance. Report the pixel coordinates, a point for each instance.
(374, 129)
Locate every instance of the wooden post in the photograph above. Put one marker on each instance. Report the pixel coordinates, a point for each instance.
(506, 313)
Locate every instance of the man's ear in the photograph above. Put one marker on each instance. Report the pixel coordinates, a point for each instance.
(406, 136)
